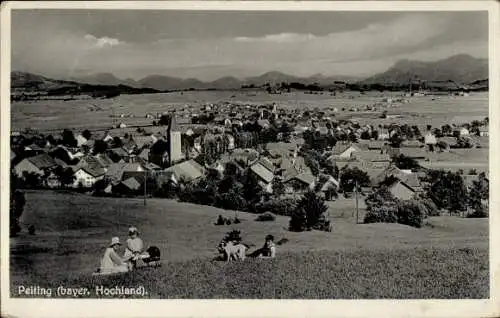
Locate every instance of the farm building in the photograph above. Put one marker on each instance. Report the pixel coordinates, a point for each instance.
(36, 164)
(88, 176)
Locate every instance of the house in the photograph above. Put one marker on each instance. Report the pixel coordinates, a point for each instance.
(299, 183)
(371, 158)
(376, 145)
(430, 139)
(143, 141)
(329, 185)
(188, 170)
(446, 143)
(401, 190)
(37, 164)
(484, 131)
(412, 144)
(80, 140)
(464, 131)
(262, 170)
(344, 151)
(414, 153)
(114, 172)
(87, 176)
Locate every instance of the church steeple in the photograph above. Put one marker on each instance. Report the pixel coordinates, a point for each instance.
(174, 140)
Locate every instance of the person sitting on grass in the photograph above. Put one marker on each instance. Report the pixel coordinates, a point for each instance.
(268, 250)
(111, 262)
(135, 247)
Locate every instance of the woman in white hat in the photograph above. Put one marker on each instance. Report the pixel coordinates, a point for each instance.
(135, 246)
(111, 262)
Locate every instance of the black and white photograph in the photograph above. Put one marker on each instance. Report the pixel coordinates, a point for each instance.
(203, 153)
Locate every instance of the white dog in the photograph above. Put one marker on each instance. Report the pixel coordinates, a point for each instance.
(233, 251)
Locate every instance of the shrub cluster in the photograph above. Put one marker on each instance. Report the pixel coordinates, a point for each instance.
(266, 216)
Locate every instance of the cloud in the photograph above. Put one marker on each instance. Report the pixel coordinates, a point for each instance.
(102, 42)
(278, 38)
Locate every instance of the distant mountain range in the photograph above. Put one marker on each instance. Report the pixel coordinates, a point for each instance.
(462, 69)
(162, 82)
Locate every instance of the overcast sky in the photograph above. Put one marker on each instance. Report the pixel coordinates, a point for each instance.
(212, 44)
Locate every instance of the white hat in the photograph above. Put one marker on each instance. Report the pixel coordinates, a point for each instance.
(133, 229)
(115, 241)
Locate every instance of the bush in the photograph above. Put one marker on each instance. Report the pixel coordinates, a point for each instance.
(278, 207)
(480, 212)
(220, 220)
(412, 213)
(384, 213)
(266, 216)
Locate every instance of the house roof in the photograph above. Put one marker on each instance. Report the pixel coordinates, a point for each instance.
(94, 171)
(142, 141)
(115, 171)
(372, 156)
(267, 164)
(306, 178)
(119, 152)
(42, 161)
(341, 148)
(131, 183)
(262, 172)
(412, 143)
(414, 152)
(104, 159)
(449, 140)
(137, 175)
(188, 170)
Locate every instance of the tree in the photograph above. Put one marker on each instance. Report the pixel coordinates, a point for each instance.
(278, 187)
(86, 134)
(403, 162)
(447, 190)
(252, 192)
(17, 203)
(32, 180)
(68, 139)
(65, 176)
(117, 142)
(99, 187)
(396, 140)
(349, 177)
(100, 147)
(310, 214)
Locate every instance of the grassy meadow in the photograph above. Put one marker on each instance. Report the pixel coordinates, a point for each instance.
(448, 258)
(47, 115)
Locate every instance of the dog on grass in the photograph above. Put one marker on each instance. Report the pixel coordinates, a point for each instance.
(233, 251)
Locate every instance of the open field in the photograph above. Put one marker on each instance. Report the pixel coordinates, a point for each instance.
(56, 115)
(446, 259)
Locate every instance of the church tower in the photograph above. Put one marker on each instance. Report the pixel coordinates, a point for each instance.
(174, 141)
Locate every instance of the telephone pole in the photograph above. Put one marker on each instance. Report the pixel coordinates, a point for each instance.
(145, 185)
(357, 207)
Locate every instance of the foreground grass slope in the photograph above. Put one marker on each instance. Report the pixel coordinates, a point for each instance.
(354, 261)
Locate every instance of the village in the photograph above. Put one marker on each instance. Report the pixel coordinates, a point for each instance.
(287, 152)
